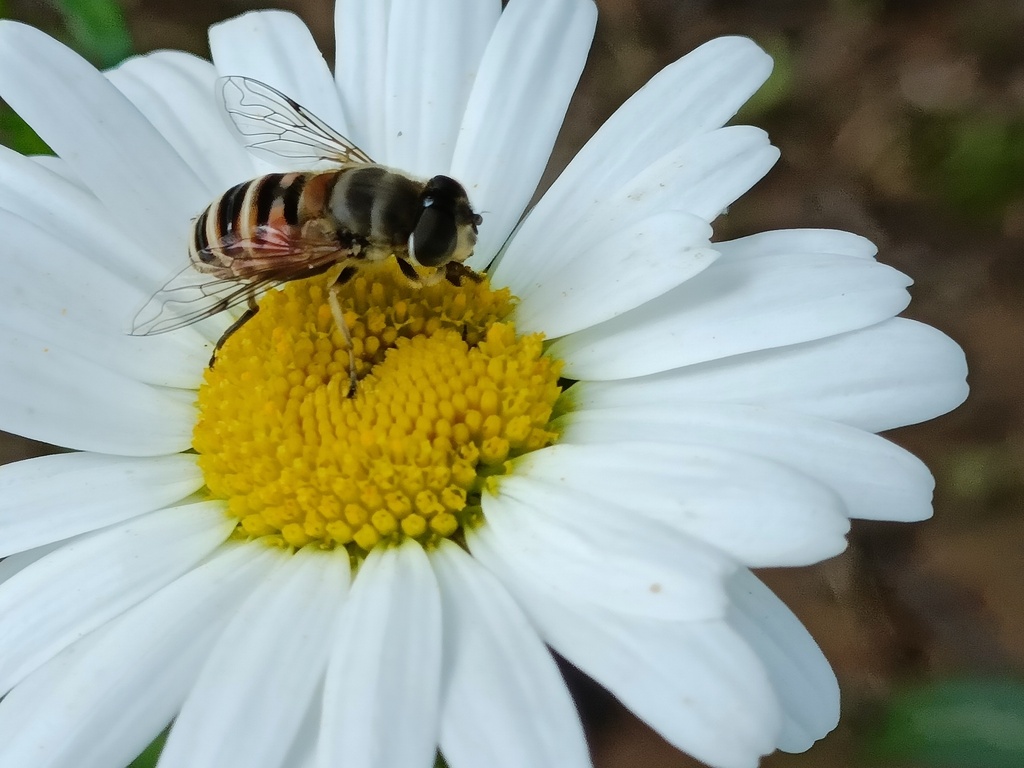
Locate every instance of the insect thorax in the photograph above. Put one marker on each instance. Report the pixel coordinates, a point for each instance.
(376, 203)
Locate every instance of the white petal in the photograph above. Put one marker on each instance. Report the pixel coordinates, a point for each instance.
(433, 52)
(701, 177)
(567, 267)
(504, 703)
(105, 140)
(526, 78)
(385, 666)
(175, 91)
(581, 549)
(35, 192)
(103, 699)
(303, 750)
(68, 212)
(56, 165)
(16, 563)
(276, 48)
(888, 375)
(629, 268)
(694, 95)
(696, 683)
(802, 678)
(54, 293)
(704, 176)
(81, 586)
(760, 512)
(360, 66)
(735, 307)
(53, 395)
(54, 497)
(874, 478)
(247, 706)
(790, 241)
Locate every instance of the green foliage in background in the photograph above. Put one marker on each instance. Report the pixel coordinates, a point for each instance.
(15, 133)
(973, 162)
(97, 30)
(94, 28)
(970, 723)
(151, 754)
(777, 88)
(985, 476)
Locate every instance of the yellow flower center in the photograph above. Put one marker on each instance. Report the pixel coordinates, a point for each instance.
(446, 395)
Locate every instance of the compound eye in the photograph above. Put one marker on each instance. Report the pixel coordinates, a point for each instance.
(433, 241)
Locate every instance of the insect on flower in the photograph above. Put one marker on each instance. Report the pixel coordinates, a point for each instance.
(288, 226)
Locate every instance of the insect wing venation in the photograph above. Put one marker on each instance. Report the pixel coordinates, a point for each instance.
(185, 299)
(270, 122)
(191, 296)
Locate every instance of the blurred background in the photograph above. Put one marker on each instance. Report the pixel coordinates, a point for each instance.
(899, 120)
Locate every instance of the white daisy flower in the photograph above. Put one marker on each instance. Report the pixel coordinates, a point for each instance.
(296, 577)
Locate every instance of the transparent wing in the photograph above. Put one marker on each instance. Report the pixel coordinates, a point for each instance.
(269, 121)
(190, 296)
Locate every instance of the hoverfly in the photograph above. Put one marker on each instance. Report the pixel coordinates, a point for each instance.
(288, 226)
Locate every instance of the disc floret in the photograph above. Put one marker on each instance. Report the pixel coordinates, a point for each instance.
(447, 393)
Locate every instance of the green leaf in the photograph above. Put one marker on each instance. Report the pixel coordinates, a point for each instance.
(973, 723)
(97, 29)
(15, 133)
(151, 754)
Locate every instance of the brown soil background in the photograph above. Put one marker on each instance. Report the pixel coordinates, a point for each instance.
(863, 105)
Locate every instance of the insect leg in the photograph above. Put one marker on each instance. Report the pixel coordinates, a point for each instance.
(339, 318)
(409, 271)
(242, 320)
(346, 274)
(455, 271)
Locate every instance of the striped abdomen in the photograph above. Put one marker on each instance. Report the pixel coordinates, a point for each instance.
(281, 202)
